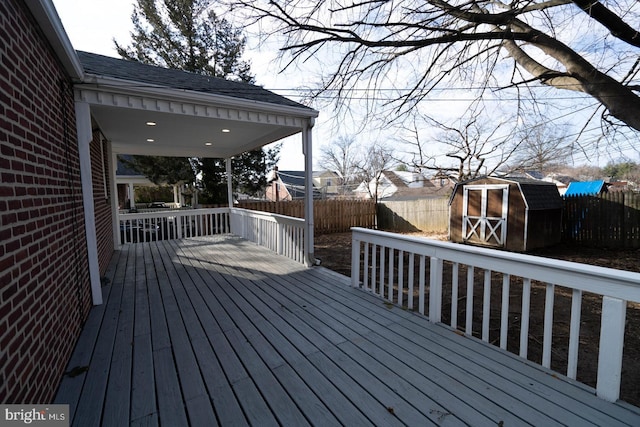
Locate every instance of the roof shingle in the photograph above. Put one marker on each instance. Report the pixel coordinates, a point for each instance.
(177, 79)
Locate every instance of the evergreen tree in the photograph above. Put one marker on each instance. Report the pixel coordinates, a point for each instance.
(188, 35)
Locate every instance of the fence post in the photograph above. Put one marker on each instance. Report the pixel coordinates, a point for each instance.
(614, 312)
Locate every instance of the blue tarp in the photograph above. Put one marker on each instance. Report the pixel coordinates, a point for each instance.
(587, 188)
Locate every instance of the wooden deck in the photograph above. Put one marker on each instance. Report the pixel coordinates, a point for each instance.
(218, 331)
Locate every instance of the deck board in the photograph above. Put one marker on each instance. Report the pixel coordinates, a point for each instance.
(218, 331)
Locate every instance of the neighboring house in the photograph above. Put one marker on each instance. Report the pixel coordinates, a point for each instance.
(619, 186)
(586, 188)
(392, 182)
(284, 186)
(561, 181)
(128, 179)
(441, 179)
(65, 116)
(329, 184)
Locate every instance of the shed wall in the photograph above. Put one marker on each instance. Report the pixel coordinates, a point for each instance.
(44, 282)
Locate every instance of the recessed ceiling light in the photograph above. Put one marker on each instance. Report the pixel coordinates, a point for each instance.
(226, 130)
(151, 123)
(208, 144)
(150, 140)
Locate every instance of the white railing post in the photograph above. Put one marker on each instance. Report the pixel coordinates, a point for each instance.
(614, 312)
(435, 290)
(355, 262)
(280, 239)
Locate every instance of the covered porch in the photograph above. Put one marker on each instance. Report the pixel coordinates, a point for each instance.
(213, 330)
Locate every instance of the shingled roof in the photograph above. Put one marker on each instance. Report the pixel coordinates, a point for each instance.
(177, 79)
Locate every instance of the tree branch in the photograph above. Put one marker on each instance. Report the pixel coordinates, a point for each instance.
(616, 25)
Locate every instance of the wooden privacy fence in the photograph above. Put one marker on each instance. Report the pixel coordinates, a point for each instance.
(330, 216)
(428, 215)
(609, 220)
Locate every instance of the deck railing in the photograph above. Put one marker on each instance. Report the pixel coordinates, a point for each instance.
(172, 224)
(415, 272)
(282, 234)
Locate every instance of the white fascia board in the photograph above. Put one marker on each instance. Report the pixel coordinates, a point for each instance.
(132, 87)
(47, 17)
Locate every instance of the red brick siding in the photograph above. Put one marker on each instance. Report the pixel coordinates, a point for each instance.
(102, 201)
(44, 283)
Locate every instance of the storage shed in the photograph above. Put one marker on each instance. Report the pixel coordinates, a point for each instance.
(515, 214)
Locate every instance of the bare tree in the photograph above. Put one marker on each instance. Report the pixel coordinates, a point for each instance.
(584, 46)
(376, 159)
(544, 147)
(341, 156)
(474, 145)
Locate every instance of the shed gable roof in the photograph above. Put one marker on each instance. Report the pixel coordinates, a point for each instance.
(538, 195)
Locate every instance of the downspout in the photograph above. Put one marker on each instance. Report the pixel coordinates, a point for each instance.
(83, 125)
(308, 194)
(115, 211)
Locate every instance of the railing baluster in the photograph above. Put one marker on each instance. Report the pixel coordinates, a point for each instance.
(382, 258)
(486, 305)
(524, 322)
(390, 276)
(421, 285)
(374, 262)
(574, 333)
(548, 325)
(365, 273)
(469, 311)
(410, 282)
(400, 277)
(504, 315)
(454, 295)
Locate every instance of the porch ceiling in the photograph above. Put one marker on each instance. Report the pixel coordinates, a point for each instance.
(194, 114)
(179, 134)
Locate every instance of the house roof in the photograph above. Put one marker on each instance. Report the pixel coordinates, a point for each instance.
(585, 188)
(49, 22)
(178, 79)
(292, 178)
(295, 184)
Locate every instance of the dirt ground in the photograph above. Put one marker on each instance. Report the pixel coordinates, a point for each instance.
(334, 251)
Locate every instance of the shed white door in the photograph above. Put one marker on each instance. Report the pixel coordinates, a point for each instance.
(484, 214)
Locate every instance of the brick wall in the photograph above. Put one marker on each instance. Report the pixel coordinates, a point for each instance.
(102, 200)
(44, 284)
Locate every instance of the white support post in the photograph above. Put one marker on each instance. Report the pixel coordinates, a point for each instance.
(355, 263)
(308, 194)
(176, 195)
(83, 127)
(614, 312)
(229, 182)
(132, 196)
(435, 290)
